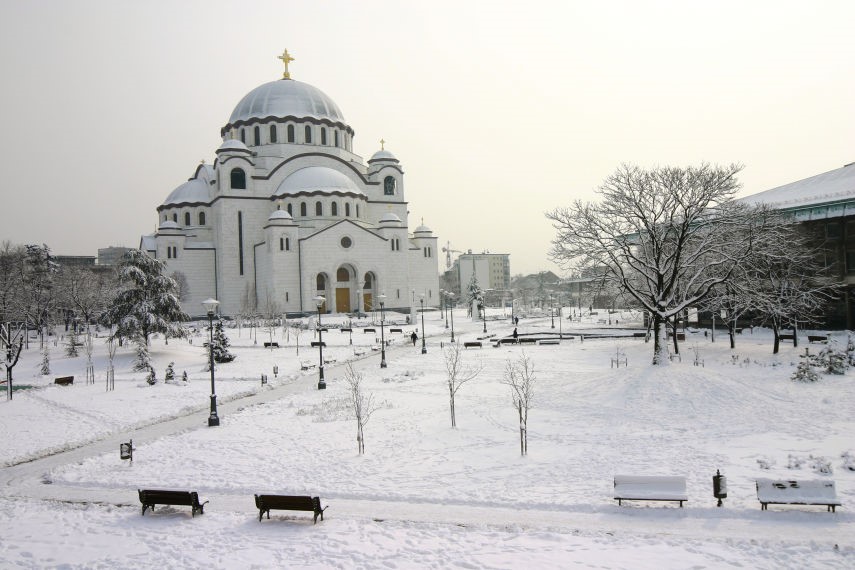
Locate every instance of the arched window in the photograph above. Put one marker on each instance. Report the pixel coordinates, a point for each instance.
(319, 208)
(323, 135)
(335, 137)
(335, 208)
(342, 275)
(320, 282)
(369, 282)
(357, 210)
(303, 209)
(347, 209)
(389, 184)
(308, 134)
(273, 133)
(243, 136)
(289, 210)
(256, 132)
(238, 179)
(201, 218)
(290, 133)
(186, 218)
(175, 218)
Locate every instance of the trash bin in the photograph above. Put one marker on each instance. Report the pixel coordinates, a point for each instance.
(719, 483)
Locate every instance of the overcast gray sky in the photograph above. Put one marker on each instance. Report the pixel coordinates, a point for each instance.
(498, 111)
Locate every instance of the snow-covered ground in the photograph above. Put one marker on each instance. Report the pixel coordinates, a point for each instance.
(425, 494)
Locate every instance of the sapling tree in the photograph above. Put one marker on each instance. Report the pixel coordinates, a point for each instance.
(72, 343)
(458, 373)
(88, 347)
(45, 368)
(111, 371)
(362, 404)
(520, 377)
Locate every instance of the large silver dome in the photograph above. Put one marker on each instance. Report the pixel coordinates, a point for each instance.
(284, 98)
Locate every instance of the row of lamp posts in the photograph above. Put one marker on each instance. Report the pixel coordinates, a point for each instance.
(211, 307)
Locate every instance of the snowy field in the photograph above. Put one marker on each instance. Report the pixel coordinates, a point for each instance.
(424, 494)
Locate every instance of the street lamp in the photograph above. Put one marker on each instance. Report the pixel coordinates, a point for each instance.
(358, 302)
(552, 309)
(211, 306)
(441, 304)
(484, 311)
(322, 385)
(451, 299)
(382, 298)
(422, 301)
(560, 325)
(444, 297)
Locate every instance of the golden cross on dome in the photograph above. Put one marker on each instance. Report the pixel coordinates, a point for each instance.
(382, 142)
(286, 59)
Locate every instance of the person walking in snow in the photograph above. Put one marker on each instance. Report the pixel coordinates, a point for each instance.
(414, 337)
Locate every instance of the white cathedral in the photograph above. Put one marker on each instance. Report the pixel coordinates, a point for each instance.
(288, 212)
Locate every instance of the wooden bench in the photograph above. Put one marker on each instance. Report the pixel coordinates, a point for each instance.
(396, 330)
(151, 497)
(346, 330)
(368, 330)
(472, 344)
(523, 340)
(785, 336)
(289, 503)
(316, 344)
(783, 492)
(817, 338)
(64, 380)
(650, 488)
(307, 365)
(271, 345)
(549, 341)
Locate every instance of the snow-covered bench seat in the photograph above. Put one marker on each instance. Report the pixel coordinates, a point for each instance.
(783, 492)
(650, 488)
(307, 365)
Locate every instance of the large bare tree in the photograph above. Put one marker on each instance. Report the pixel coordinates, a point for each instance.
(666, 236)
(519, 376)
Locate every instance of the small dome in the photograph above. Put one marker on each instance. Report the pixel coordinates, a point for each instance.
(422, 229)
(317, 180)
(169, 225)
(390, 217)
(382, 155)
(280, 215)
(286, 98)
(191, 192)
(234, 145)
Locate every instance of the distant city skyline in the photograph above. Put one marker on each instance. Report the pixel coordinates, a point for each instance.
(498, 111)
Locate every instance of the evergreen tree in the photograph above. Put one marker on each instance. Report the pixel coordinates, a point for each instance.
(73, 343)
(149, 301)
(221, 345)
(170, 373)
(152, 377)
(45, 360)
(184, 376)
(805, 371)
(143, 360)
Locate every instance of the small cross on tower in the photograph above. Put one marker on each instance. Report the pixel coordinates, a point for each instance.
(286, 59)
(382, 144)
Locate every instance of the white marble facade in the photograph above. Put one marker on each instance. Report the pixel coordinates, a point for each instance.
(287, 212)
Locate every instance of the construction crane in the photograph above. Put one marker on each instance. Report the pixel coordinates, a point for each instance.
(448, 251)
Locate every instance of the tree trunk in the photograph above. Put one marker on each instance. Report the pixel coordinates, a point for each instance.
(776, 345)
(795, 334)
(660, 342)
(731, 331)
(676, 344)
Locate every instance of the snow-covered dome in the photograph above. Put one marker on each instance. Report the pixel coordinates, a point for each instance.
(169, 225)
(382, 154)
(390, 217)
(423, 229)
(233, 145)
(194, 191)
(286, 98)
(280, 215)
(317, 180)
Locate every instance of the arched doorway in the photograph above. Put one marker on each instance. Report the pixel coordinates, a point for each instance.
(344, 281)
(368, 284)
(321, 282)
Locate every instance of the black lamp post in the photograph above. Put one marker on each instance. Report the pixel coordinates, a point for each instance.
(484, 311)
(552, 309)
(443, 299)
(211, 306)
(322, 385)
(560, 325)
(382, 298)
(451, 299)
(422, 301)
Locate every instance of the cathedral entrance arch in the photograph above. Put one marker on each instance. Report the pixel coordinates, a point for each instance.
(368, 293)
(322, 288)
(344, 282)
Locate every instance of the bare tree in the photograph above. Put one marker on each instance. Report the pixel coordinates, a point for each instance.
(11, 263)
(111, 371)
(665, 236)
(362, 404)
(271, 312)
(183, 285)
(458, 373)
(520, 377)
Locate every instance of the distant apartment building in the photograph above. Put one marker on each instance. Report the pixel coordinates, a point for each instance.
(492, 270)
(111, 255)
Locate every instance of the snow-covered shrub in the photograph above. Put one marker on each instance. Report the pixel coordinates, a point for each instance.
(143, 360)
(805, 371)
(794, 462)
(152, 377)
(45, 369)
(765, 462)
(184, 377)
(820, 465)
(848, 460)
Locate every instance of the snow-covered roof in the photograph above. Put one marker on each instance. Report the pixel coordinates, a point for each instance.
(284, 98)
(830, 187)
(148, 243)
(382, 155)
(280, 215)
(317, 179)
(168, 225)
(233, 144)
(194, 191)
(423, 229)
(390, 217)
